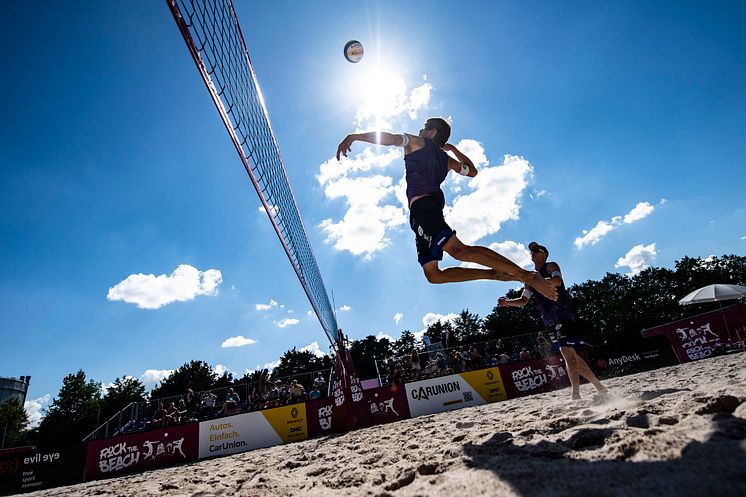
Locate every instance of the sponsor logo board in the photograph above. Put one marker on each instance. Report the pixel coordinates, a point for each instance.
(534, 376)
(252, 430)
(440, 394)
(30, 469)
(488, 383)
(382, 405)
(141, 451)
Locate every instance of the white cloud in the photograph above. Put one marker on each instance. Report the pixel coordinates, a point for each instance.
(345, 308)
(640, 211)
(285, 322)
(313, 348)
(431, 318)
(148, 291)
(34, 409)
(398, 317)
(362, 230)
(388, 337)
(639, 258)
(597, 233)
(743, 237)
(270, 365)
(494, 199)
(238, 341)
(220, 369)
(603, 228)
(366, 161)
(266, 307)
(151, 377)
(516, 252)
(272, 209)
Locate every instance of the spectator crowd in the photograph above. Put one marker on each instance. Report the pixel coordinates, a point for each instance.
(422, 364)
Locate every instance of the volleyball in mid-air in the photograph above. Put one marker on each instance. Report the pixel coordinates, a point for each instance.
(353, 51)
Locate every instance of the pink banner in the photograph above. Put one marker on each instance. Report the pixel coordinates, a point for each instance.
(141, 451)
(534, 376)
(706, 334)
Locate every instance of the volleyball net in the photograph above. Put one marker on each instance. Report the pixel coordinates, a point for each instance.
(213, 36)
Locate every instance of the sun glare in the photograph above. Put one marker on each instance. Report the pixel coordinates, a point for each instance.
(382, 94)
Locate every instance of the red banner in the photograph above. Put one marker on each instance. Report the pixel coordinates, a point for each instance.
(534, 376)
(324, 417)
(141, 451)
(382, 405)
(705, 335)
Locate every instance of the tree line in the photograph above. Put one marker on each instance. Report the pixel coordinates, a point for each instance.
(614, 309)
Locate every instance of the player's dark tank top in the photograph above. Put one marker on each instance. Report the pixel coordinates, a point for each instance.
(554, 312)
(426, 169)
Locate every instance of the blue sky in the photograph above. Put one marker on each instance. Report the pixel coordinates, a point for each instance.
(612, 133)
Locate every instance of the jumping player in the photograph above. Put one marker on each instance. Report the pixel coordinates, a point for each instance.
(427, 164)
(559, 318)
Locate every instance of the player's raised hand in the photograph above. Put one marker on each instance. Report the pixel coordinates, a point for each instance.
(345, 146)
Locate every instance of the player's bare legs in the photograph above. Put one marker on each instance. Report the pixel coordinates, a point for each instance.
(577, 367)
(503, 266)
(454, 274)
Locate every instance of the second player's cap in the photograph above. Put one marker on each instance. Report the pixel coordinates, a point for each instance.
(535, 247)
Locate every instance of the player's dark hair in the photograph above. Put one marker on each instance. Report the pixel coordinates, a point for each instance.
(443, 130)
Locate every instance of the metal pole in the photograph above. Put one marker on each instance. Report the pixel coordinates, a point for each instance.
(378, 372)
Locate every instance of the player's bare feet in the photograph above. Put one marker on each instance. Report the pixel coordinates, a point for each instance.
(541, 285)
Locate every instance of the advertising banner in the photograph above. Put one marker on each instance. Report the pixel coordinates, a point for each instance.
(323, 417)
(252, 430)
(454, 392)
(30, 469)
(382, 405)
(534, 376)
(488, 383)
(705, 335)
(141, 451)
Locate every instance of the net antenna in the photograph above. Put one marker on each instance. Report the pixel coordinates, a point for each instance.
(213, 36)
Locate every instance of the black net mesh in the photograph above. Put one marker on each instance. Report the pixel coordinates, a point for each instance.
(213, 36)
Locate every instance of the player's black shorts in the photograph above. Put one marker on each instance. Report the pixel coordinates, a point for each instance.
(568, 334)
(430, 229)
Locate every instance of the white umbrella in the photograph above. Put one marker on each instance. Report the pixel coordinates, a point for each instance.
(714, 293)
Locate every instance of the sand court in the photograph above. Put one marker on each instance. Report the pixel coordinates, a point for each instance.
(674, 431)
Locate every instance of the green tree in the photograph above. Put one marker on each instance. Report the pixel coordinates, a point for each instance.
(197, 375)
(437, 331)
(404, 344)
(120, 394)
(73, 414)
(506, 322)
(467, 328)
(300, 363)
(365, 352)
(13, 423)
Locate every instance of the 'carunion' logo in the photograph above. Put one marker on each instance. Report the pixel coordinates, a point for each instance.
(424, 393)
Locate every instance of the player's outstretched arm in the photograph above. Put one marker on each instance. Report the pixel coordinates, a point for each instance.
(378, 137)
(519, 302)
(463, 165)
